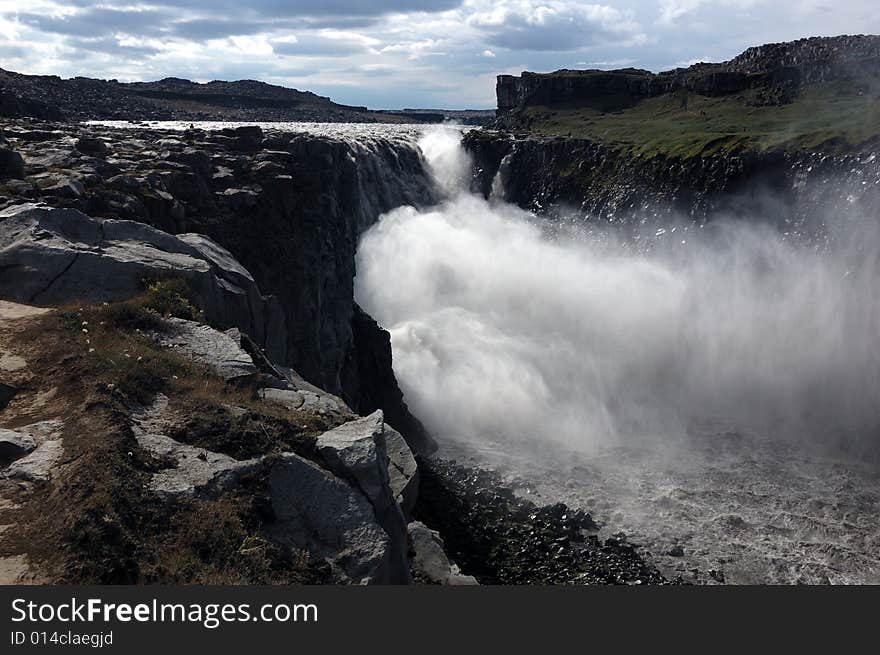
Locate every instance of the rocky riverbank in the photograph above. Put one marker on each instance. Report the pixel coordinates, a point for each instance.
(501, 538)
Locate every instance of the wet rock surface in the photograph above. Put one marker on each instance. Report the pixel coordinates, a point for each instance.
(500, 538)
(562, 177)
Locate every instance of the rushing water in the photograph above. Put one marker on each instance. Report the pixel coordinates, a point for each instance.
(711, 389)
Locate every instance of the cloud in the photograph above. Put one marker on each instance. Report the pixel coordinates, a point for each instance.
(132, 48)
(553, 25)
(671, 10)
(416, 49)
(325, 44)
(396, 53)
(97, 22)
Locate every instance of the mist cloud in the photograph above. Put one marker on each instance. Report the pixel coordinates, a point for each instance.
(502, 328)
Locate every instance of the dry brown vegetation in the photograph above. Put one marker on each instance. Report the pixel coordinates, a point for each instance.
(96, 521)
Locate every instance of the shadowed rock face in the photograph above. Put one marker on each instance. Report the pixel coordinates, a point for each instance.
(797, 191)
(53, 256)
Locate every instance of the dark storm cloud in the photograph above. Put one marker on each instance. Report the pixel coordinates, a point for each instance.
(195, 19)
(110, 46)
(99, 21)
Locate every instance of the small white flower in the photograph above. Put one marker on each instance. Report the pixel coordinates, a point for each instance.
(85, 331)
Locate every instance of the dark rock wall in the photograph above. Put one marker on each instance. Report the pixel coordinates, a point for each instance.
(565, 175)
(786, 66)
(369, 383)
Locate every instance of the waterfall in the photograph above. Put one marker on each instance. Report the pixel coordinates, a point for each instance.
(506, 325)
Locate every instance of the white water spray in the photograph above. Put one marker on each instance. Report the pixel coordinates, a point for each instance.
(501, 329)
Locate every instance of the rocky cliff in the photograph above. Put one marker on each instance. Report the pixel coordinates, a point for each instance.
(288, 206)
(784, 132)
(579, 177)
(134, 394)
(778, 71)
(81, 98)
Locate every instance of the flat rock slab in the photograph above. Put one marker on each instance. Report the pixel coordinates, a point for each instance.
(219, 350)
(10, 362)
(39, 463)
(11, 311)
(306, 397)
(196, 470)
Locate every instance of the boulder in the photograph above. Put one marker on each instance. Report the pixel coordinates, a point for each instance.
(69, 187)
(356, 451)
(247, 138)
(295, 394)
(429, 560)
(37, 465)
(14, 445)
(198, 160)
(50, 256)
(322, 514)
(11, 164)
(403, 472)
(313, 509)
(91, 146)
(195, 471)
(220, 351)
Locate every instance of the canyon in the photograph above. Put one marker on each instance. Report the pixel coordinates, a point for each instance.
(649, 349)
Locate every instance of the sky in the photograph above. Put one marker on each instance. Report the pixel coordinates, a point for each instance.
(398, 53)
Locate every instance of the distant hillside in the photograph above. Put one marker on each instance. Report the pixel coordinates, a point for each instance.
(83, 98)
(816, 93)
